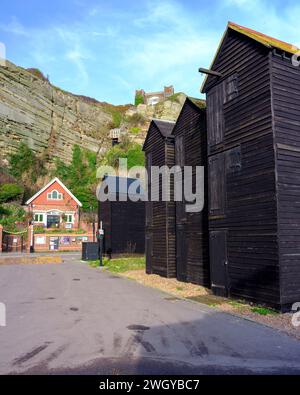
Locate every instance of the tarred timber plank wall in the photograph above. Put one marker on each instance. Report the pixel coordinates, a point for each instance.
(286, 104)
(160, 221)
(104, 216)
(124, 226)
(249, 212)
(192, 238)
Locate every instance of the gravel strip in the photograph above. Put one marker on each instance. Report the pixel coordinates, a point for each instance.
(282, 322)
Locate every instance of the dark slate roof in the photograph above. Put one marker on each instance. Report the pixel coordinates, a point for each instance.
(165, 127)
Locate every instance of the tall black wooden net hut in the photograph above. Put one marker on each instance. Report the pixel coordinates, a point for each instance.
(123, 221)
(253, 117)
(160, 215)
(192, 237)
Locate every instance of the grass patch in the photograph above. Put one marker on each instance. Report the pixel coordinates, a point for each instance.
(122, 265)
(94, 264)
(263, 311)
(180, 289)
(135, 130)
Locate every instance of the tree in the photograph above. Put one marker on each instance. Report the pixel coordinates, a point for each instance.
(80, 176)
(10, 214)
(87, 197)
(139, 99)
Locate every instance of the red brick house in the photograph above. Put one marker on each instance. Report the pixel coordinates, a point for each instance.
(54, 206)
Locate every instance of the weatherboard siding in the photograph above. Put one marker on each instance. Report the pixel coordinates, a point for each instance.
(286, 98)
(247, 210)
(192, 235)
(124, 226)
(160, 228)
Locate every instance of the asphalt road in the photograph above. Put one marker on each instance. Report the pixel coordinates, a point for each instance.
(71, 319)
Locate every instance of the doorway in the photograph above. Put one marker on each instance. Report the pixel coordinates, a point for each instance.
(219, 262)
(53, 221)
(54, 244)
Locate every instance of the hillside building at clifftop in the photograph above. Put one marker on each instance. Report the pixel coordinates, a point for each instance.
(152, 98)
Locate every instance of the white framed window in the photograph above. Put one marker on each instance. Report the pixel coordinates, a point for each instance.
(55, 195)
(70, 218)
(39, 218)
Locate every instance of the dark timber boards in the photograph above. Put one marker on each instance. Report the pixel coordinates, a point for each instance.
(192, 228)
(246, 243)
(123, 221)
(160, 216)
(254, 171)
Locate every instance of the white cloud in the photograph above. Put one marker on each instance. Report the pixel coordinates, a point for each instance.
(14, 27)
(175, 41)
(152, 44)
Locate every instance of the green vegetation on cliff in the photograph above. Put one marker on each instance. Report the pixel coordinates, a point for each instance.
(26, 166)
(139, 99)
(80, 176)
(125, 150)
(27, 173)
(10, 192)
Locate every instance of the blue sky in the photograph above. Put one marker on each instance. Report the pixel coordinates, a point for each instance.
(107, 49)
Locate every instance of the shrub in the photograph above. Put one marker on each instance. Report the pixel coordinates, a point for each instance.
(9, 192)
(10, 215)
(25, 165)
(136, 119)
(130, 151)
(135, 130)
(139, 99)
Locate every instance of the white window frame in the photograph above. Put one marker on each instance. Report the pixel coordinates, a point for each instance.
(59, 195)
(68, 217)
(39, 215)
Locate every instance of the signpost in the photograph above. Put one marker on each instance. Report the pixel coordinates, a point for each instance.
(100, 237)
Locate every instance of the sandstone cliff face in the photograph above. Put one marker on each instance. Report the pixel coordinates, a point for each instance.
(49, 120)
(168, 110)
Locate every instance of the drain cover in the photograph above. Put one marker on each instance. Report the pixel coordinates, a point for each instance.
(138, 328)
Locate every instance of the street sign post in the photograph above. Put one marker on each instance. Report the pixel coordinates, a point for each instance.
(100, 237)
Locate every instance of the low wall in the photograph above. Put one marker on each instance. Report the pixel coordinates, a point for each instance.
(60, 242)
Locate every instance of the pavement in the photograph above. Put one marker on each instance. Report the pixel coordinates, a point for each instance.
(72, 319)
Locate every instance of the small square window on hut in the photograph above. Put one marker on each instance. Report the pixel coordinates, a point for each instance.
(234, 161)
(231, 88)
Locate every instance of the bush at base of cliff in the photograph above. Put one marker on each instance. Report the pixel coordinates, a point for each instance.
(10, 214)
(126, 150)
(10, 192)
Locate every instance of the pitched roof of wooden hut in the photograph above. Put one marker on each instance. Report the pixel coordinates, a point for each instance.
(165, 129)
(199, 103)
(267, 41)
